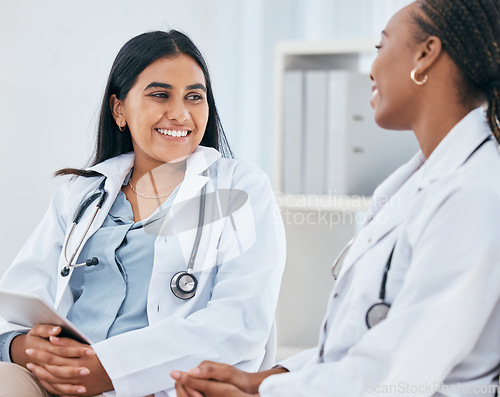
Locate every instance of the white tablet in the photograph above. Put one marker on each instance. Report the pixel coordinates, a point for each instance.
(29, 310)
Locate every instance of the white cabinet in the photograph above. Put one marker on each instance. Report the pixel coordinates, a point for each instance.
(329, 156)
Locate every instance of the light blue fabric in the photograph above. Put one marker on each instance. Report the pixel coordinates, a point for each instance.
(5, 341)
(111, 297)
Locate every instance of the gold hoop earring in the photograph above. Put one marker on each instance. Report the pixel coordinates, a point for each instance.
(414, 79)
(122, 128)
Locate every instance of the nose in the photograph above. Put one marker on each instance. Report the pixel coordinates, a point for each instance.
(177, 111)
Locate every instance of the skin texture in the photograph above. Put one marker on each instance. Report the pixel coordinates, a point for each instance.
(215, 379)
(430, 110)
(175, 100)
(62, 365)
(180, 107)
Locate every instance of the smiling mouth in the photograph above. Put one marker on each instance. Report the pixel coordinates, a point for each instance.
(174, 133)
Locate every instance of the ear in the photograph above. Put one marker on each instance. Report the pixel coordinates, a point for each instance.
(427, 54)
(117, 110)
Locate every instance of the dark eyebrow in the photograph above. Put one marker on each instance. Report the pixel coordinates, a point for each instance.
(196, 87)
(155, 84)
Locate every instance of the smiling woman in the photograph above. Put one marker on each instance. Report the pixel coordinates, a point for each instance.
(186, 245)
(415, 309)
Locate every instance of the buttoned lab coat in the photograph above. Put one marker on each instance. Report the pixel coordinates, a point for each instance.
(442, 334)
(239, 267)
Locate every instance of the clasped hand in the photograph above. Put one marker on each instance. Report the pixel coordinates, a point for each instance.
(62, 365)
(212, 379)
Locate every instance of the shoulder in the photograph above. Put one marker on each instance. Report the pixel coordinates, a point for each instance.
(239, 171)
(464, 202)
(71, 193)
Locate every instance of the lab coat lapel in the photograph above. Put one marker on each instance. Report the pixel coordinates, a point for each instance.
(385, 211)
(115, 171)
(190, 188)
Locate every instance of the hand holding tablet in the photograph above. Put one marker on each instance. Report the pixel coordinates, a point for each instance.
(29, 310)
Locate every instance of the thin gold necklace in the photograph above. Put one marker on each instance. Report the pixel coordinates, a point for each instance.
(150, 197)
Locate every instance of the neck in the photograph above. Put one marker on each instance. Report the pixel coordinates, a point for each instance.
(435, 123)
(159, 180)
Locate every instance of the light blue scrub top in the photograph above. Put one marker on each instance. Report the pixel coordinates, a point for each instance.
(111, 297)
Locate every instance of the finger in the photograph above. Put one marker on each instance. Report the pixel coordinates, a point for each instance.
(63, 341)
(188, 381)
(65, 389)
(193, 393)
(45, 330)
(217, 371)
(43, 358)
(65, 374)
(47, 386)
(70, 348)
(56, 374)
(60, 356)
(180, 390)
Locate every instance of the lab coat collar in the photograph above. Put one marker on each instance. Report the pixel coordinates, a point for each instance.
(116, 170)
(385, 213)
(455, 148)
(202, 158)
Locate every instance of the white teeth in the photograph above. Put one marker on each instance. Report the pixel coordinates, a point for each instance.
(174, 133)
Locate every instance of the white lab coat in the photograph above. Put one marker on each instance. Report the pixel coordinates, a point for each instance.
(442, 333)
(239, 269)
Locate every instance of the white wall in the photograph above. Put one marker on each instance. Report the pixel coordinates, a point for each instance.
(55, 56)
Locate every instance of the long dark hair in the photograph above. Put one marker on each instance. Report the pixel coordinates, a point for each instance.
(470, 33)
(135, 56)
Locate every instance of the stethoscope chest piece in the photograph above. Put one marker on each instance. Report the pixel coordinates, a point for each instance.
(183, 285)
(376, 313)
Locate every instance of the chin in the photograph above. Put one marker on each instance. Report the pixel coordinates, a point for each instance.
(390, 121)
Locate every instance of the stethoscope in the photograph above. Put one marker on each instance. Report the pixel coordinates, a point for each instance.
(379, 310)
(183, 283)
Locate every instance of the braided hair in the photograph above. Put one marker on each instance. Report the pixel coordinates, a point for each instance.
(470, 33)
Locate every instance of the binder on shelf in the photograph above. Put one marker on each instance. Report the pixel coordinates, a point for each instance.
(293, 135)
(315, 109)
(360, 153)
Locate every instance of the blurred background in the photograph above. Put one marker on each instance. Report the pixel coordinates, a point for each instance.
(55, 56)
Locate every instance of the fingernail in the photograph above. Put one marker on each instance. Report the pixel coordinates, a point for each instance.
(90, 352)
(175, 374)
(29, 366)
(29, 352)
(55, 329)
(85, 371)
(54, 338)
(81, 390)
(195, 371)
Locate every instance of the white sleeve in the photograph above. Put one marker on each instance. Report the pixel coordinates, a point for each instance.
(299, 360)
(449, 295)
(234, 325)
(34, 269)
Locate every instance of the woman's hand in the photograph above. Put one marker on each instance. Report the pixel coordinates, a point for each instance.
(63, 366)
(215, 379)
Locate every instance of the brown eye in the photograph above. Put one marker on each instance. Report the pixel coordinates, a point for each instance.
(162, 95)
